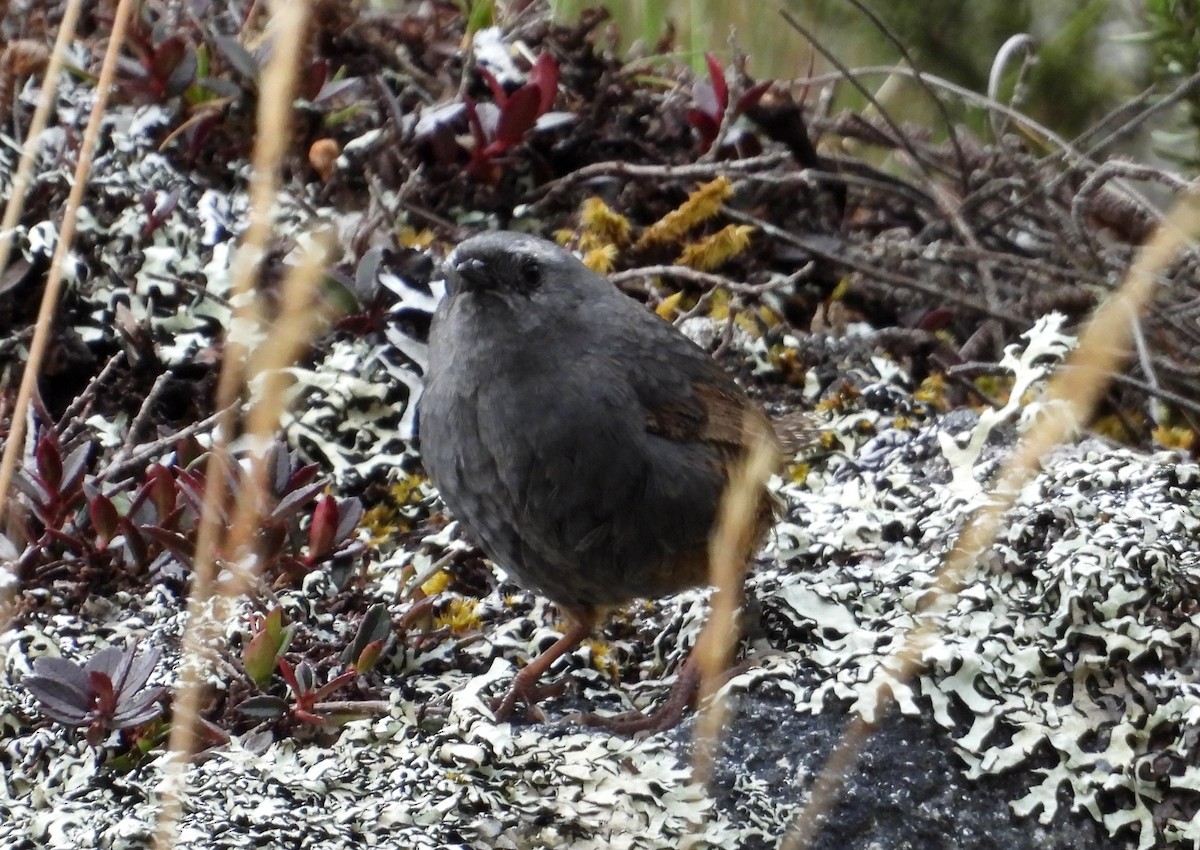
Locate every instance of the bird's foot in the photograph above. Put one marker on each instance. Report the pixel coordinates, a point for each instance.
(665, 717)
(528, 695)
(525, 688)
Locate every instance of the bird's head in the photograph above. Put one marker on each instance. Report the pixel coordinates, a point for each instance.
(505, 263)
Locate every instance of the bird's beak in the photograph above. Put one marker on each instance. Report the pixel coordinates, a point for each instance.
(466, 274)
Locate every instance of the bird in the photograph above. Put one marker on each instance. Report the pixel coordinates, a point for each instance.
(584, 442)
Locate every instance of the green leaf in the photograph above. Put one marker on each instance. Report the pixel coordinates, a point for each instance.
(482, 15)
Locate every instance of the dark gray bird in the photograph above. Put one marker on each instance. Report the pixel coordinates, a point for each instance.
(582, 440)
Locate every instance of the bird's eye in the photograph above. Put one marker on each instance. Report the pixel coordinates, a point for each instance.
(530, 273)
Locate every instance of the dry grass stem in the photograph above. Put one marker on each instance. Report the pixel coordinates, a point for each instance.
(66, 233)
(1070, 399)
(276, 88)
(41, 114)
(728, 560)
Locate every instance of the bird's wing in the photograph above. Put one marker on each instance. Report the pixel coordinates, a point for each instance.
(686, 396)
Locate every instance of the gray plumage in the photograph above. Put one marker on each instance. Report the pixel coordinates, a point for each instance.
(581, 439)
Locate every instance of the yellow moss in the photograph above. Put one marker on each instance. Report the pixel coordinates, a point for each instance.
(933, 391)
(419, 239)
(603, 223)
(389, 518)
(865, 427)
(436, 583)
(719, 308)
(564, 237)
(1117, 428)
(385, 519)
(1175, 438)
(407, 490)
(700, 206)
(601, 259)
(749, 324)
(843, 398)
(798, 472)
(995, 386)
(718, 305)
(602, 658)
(459, 615)
(769, 317)
(1111, 427)
(668, 306)
(382, 522)
(783, 359)
(716, 250)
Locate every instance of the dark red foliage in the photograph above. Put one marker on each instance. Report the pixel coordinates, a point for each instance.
(108, 693)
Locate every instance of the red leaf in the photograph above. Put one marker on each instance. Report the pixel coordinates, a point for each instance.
(74, 467)
(295, 500)
(49, 463)
(333, 684)
(179, 545)
(717, 74)
(301, 476)
(517, 117)
(104, 517)
(350, 512)
(705, 124)
(323, 530)
(264, 707)
(166, 57)
(313, 79)
(544, 76)
(161, 486)
(936, 319)
(183, 74)
(751, 96)
(103, 697)
(135, 543)
(289, 675)
(238, 57)
(375, 628)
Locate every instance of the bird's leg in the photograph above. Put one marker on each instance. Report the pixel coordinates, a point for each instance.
(681, 697)
(524, 685)
(666, 716)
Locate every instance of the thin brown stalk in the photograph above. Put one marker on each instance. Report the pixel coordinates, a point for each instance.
(276, 88)
(41, 114)
(116, 470)
(1065, 150)
(83, 401)
(918, 76)
(1070, 400)
(619, 168)
(845, 259)
(54, 280)
(728, 561)
(925, 165)
(945, 201)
